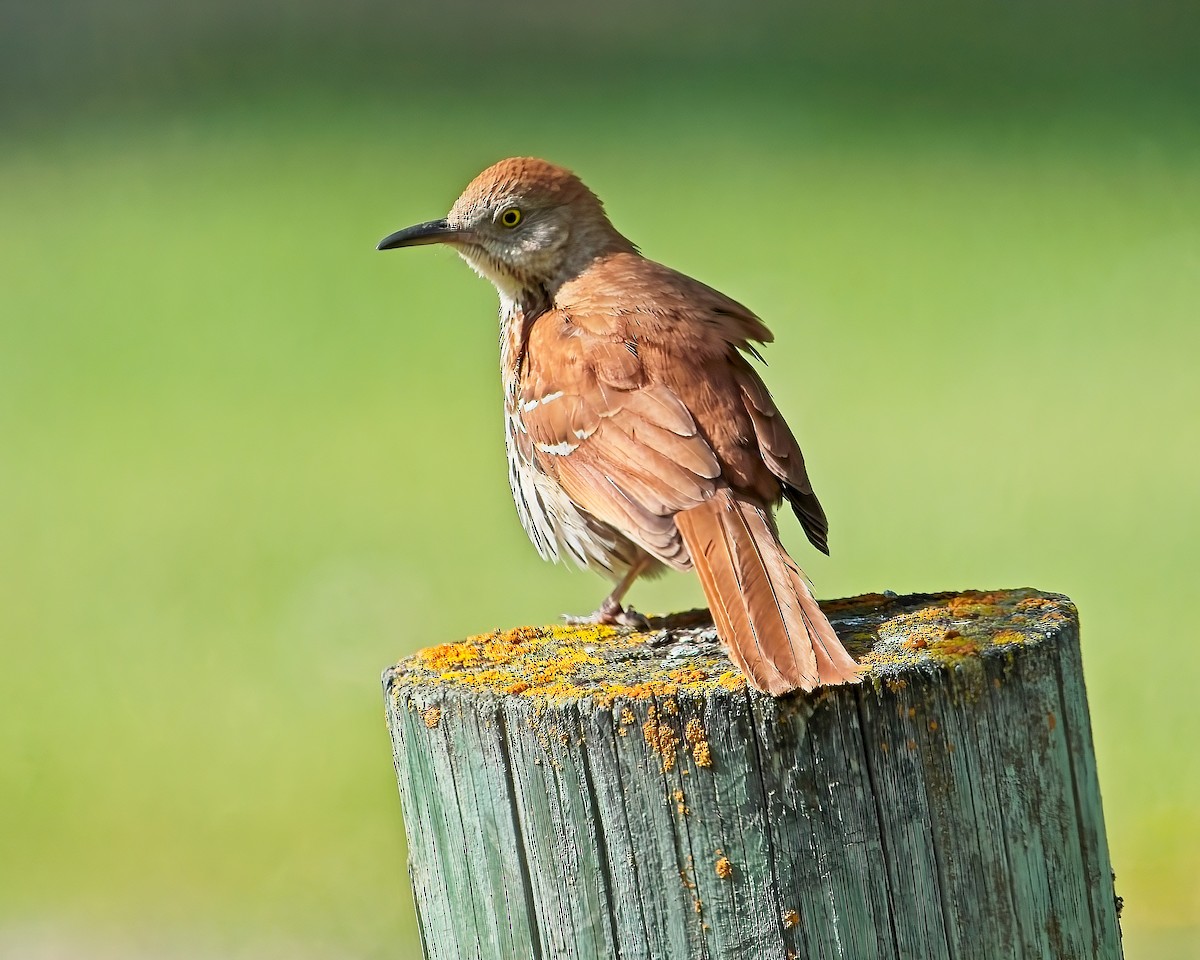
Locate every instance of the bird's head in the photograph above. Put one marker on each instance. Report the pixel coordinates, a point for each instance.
(525, 224)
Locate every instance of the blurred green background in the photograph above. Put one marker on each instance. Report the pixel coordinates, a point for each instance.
(246, 461)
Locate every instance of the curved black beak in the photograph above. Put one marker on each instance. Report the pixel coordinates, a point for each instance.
(435, 231)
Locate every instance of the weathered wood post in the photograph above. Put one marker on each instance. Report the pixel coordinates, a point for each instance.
(577, 793)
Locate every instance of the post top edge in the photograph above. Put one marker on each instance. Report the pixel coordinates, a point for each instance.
(891, 635)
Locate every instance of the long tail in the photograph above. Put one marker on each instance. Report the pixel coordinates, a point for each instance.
(763, 609)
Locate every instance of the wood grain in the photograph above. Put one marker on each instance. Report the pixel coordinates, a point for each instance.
(579, 793)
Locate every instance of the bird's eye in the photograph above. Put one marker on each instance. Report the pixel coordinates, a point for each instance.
(510, 217)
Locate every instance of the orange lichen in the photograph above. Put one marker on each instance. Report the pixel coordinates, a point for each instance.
(972, 604)
(1035, 603)
(928, 613)
(790, 919)
(431, 717)
(953, 629)
(681, 806)
(723, 868)
(661, 740)
(695, 734)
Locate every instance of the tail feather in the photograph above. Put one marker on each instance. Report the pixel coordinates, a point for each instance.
(761, 602)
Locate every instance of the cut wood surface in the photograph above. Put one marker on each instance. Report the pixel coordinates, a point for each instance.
(576, 792)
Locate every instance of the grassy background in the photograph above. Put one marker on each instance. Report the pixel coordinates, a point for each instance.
(234, 484)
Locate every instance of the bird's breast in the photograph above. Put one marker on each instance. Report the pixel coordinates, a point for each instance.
(555, 525)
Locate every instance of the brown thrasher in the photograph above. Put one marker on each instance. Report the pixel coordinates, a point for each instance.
(638, 434)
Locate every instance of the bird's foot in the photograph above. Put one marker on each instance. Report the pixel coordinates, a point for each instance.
(610, 613)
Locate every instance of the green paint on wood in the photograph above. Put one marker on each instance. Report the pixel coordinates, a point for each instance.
(583, 793)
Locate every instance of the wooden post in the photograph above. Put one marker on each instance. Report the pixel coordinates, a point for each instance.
(580, 793)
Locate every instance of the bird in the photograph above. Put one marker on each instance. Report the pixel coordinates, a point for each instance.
(639, 436)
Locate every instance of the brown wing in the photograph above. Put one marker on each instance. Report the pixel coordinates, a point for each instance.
(624, 448)
(782, 456)
(638, 399)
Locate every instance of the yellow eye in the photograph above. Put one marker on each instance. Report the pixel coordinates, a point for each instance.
(510, 217)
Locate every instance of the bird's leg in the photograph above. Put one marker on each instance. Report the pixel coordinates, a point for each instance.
(610, 610)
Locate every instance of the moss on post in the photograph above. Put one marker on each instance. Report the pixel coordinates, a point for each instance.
(588, 793)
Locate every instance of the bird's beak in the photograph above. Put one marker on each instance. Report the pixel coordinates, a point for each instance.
(435, 231)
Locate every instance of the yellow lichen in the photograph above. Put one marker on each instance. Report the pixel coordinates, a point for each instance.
(432, 717)
(447, 656)
(723, 868)
(554, 664)
(558, 664)
(954, 646)
(790, 919)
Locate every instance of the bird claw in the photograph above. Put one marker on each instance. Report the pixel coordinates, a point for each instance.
(610, 614)
(628, 617)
